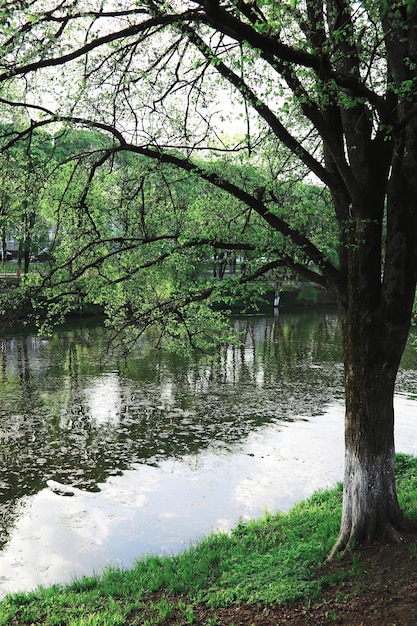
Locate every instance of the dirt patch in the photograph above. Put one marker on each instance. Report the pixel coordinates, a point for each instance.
(381, 591)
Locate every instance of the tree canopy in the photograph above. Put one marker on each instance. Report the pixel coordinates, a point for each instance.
(245, 97)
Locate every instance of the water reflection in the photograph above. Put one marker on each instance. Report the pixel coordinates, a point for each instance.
(156, 450)
(65, 417)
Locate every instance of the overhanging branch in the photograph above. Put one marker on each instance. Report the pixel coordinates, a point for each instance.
(330, 273)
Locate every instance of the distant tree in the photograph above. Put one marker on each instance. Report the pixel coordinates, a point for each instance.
(334, 83)
(23, 172)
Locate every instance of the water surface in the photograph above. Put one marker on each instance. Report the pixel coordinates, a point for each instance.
(105, 459)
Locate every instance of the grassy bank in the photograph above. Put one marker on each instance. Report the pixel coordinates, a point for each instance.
(276, 559)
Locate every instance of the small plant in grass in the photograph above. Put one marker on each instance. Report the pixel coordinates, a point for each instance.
(357, 567)
(164, 608)
(187, 611)
(331, 615)
(31, 614)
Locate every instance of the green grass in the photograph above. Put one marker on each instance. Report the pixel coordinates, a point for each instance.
(273, 559)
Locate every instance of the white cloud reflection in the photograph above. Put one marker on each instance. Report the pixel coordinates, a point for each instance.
(104, 398)
(161, 509)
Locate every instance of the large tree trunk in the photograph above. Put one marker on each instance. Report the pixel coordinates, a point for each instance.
(375, 313)
(370, 502)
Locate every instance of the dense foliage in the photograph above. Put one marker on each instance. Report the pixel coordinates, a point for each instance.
(152, 246)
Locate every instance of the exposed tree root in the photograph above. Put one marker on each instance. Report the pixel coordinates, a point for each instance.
(393, 533)
(339, 547)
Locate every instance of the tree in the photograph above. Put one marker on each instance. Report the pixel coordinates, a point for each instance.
(23, 172)
(334, 83)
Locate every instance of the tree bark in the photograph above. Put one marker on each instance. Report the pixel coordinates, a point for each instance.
(370, 503)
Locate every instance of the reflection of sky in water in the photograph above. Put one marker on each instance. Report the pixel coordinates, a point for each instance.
(160, 456)
(103, 398)
(160, 509)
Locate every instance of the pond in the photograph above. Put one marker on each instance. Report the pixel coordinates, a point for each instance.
(103, 459)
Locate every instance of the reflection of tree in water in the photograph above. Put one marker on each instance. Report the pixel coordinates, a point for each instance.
(63, 418)
(3, 352)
